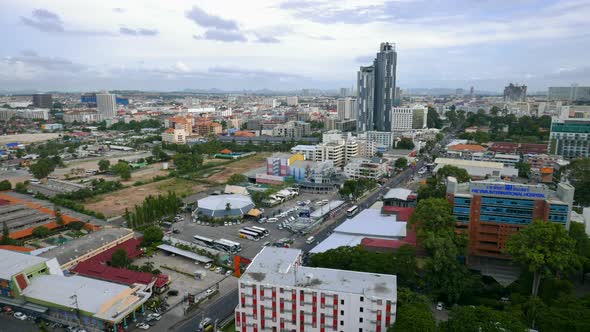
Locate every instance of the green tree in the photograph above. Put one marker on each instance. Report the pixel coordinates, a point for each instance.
(445, 277)
(405, 143)
(432, 119)
(481, 319)
(414, 317)
(42, 168)
(544, 248)
(433, 188)
(578, 233)
(120, 258)
(401, 163)
(152, 234)
(6, 239)
(432, 215)
(237, 178)
(187, 162)
(104, 165)
(58, 217)
(578, 172)
(481, 137)
(76, 225)
(449, 170)
(5, 185)
(524, 169)
(40, 232)
(122, 169)
(20, 187)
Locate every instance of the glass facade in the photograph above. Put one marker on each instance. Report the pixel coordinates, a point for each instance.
(462, 208)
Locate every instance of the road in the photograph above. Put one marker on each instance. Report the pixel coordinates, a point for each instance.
(220, 309)
(224, 306)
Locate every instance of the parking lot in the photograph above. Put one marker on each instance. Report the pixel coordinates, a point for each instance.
(250, 248)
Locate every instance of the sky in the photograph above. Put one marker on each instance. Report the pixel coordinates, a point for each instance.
(73, 45)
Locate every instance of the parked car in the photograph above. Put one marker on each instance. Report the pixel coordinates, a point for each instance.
(208, 265)
(439, 306)
(173, 292)
(217, 270)
(229, 272)
(155, 316)
(19, 315)
(143, 326)
(208, 292)
(271, 220)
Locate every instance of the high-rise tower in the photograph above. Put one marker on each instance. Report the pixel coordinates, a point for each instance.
(385, 74)
(365, 100)
(377, 90)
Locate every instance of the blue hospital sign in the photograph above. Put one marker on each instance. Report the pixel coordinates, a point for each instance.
(511, 190)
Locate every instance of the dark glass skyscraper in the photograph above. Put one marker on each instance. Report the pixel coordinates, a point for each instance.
(381, 93)
(365, 100)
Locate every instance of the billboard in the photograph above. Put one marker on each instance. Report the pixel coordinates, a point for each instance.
(508, 190)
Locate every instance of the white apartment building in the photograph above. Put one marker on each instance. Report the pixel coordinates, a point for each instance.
(292, 101)
(106, 104)
(331, 151)
(174, 135)
(383, 138)
(401, 119)
(33, 114)
(307, 150)
(346, 108)
(81, 116)
(270, 102)
(365, 168)
(276, 293)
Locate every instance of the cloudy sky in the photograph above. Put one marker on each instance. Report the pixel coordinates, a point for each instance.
(75, 45)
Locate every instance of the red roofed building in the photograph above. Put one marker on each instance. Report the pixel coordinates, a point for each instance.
(96, 267)
(518, 148)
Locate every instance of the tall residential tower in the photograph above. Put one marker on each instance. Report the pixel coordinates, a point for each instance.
(381, 91)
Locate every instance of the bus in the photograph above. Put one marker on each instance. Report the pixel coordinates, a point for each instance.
(227, 245)
(245, 234)
(260, 233)
(263, 230)
(204, 240)
(352, 211)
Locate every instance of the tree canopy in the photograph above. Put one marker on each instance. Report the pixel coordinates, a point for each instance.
(481, 319)
(40, 232)
(5, 185)
(122, 169)
(104, 165)
(42, 168)
(405, 143)
(432, 215)
(544, 248)
(579, 176)
(237, 178)
(152, 234)
(401, 163)
(120, 258)
(187, 162)
(449, 170)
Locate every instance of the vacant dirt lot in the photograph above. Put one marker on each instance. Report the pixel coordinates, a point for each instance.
(27, 138)
(239, 166)
(113, 204)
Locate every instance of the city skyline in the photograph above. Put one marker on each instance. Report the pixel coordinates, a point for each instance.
(289, 45)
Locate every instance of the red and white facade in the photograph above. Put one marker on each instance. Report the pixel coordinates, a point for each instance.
(277, 294)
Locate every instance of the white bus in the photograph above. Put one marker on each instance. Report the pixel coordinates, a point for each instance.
(263, 230)
(227, 245)
(352, 211)
(257, 231)
(203, 240)
(245, 234)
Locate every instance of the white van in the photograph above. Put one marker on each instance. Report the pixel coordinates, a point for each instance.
(310, 240)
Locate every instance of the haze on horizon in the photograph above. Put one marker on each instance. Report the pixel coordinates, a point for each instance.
(72, 45)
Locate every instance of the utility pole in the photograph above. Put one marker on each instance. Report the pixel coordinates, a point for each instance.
(75, 303)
